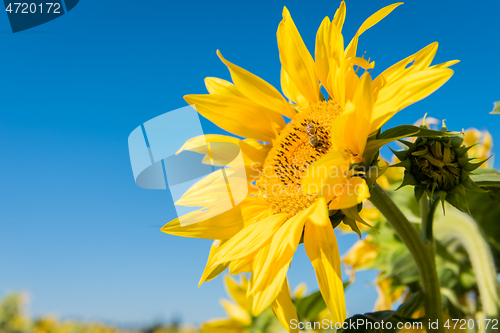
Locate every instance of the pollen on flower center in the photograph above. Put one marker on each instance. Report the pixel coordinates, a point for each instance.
(304, 140)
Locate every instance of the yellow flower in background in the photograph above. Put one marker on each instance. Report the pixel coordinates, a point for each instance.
(300, 291)
(287, 198)
(387, 294)
(360, 254)
(12, 317)
(482, 143)
(239, 311)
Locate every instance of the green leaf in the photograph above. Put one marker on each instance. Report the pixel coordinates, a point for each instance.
(496, 108)
(486, 178)
(386, 320)
(308, 308)
(404, 131)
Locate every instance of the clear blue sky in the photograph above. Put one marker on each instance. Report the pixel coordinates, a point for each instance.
(75, 230)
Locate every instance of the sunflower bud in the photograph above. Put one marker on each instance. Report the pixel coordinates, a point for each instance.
(439, 166)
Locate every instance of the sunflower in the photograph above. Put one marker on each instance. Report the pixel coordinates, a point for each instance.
(289, 198)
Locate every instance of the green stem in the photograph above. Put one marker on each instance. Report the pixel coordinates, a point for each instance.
(427, 217)
(422, 252)
(424, 214)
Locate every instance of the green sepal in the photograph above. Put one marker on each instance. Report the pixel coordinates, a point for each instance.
(456, 141)
(408, 179)
(353, 213)
(352, 223)
(464, 174)
(411, 146)
(473, 166)
(457, 198)
(423, 124)
(462, 150)
(463, 161)
(442, 197)
(401, 154)
(469, 185)
(443, 127)
(336, 217)
(419, 191)
(403, 164)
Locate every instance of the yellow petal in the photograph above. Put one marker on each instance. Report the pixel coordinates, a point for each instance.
(370, 22)
(211, 271)
(224, 226)
(363, 100)
(261, 299)
(283, 245)
(290, 90)
(363, 63)
(254, 210)
(329, 56)
(208, 191)
(243, 265)
(321, 52)
(339, 17)
(321, 247)
(329, 169)
(216, 86)
(411, 89)
(272, 261)
(416, 62)
(258, 90)
(296, 59)
(319, 215)
(336, 61)
(351, 129)
(250, 239)
(351, 194)
(220, 150)
(446, 64)
(238, 115)
(284, 309)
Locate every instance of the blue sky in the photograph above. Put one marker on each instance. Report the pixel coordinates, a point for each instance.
(75, 230)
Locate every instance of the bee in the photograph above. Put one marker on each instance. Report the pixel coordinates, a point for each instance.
(314, 141)
(311, 129)
(313, 138)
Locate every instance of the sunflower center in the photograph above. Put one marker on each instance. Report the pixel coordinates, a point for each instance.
(304, 140)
